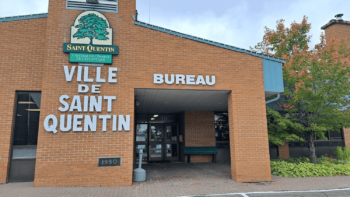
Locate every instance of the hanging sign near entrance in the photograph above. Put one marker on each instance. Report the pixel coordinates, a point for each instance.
(91, 35)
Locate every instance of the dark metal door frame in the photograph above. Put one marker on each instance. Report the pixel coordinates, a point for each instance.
(159, 142)
(11, 161)
(163, 142)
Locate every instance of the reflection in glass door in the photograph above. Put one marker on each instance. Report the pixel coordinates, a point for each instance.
(141, 142)
(172, 147)
(163, 142)
(156, 142)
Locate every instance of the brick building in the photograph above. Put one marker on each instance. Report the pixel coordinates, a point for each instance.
(87, 85)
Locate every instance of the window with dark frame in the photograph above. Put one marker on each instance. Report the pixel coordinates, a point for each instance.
(26, 125)
(332, 136)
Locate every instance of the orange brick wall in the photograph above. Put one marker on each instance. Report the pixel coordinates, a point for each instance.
(250, 161)
(200, 131)
(347, 137)
(283, 151)
(70, 159)
(338, 31)
(21, 60)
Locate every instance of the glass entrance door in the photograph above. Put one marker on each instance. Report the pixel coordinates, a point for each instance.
(172, 142)
(163, 142)
(156, 142)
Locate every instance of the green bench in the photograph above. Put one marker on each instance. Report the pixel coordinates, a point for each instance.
(203, 150)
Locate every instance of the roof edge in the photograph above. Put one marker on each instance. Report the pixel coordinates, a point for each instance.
(221, 45)
(23, 17)
(333, 22)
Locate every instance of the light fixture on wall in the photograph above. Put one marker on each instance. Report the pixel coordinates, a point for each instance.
(137, 102)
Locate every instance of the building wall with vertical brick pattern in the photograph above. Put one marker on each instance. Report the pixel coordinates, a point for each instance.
(70, 158)
(283, 151)
(340, 31)
(200, 131)
(347, 137)
(21, 60)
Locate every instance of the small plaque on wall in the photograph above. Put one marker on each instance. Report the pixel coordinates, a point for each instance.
(109, 161)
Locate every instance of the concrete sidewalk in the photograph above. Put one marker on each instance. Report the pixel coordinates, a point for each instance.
(182, 179)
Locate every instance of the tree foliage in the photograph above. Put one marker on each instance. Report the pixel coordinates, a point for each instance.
(316, 80)
(91, 26)
(281, 128)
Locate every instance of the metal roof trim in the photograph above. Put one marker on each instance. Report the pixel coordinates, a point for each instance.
(190, 37)
(333, 22)
(23, 17)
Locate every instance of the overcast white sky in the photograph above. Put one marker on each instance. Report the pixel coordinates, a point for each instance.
(236, 22)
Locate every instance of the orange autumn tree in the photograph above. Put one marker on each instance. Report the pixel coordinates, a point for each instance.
(317, 86)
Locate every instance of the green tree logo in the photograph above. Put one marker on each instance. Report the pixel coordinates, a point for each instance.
(91, 26)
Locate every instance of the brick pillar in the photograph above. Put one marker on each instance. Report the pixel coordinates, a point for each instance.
(283, 151)
(200, 131)
(347, 137)
(249, 147)
(5, 134)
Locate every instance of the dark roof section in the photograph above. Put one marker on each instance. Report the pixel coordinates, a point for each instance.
(225, 46)
(23, 17)
(333, 21)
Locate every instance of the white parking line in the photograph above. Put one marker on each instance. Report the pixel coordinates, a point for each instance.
(271, 192)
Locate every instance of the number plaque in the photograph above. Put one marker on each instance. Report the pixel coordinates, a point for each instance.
(109, 161)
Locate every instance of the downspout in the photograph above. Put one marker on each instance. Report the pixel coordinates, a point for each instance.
(275, 99)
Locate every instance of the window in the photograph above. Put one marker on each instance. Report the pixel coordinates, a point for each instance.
(333, 135)
(141, 132)
(27, 118)
(102, 5)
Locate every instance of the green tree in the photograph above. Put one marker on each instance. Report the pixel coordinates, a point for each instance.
(316, 80)
(91, 26)
(281, 128)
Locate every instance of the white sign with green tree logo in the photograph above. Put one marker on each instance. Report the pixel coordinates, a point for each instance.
(91, 39)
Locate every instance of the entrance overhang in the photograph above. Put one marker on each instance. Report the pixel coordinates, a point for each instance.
(167, 101)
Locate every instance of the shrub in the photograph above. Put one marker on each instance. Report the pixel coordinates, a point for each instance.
(283, 168)
(325, 159)
(294, 160)
(342, 153)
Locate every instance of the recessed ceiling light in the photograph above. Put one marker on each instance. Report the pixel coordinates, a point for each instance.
(156, 115)
(26, 102)
(152, 118)
(33, 109)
